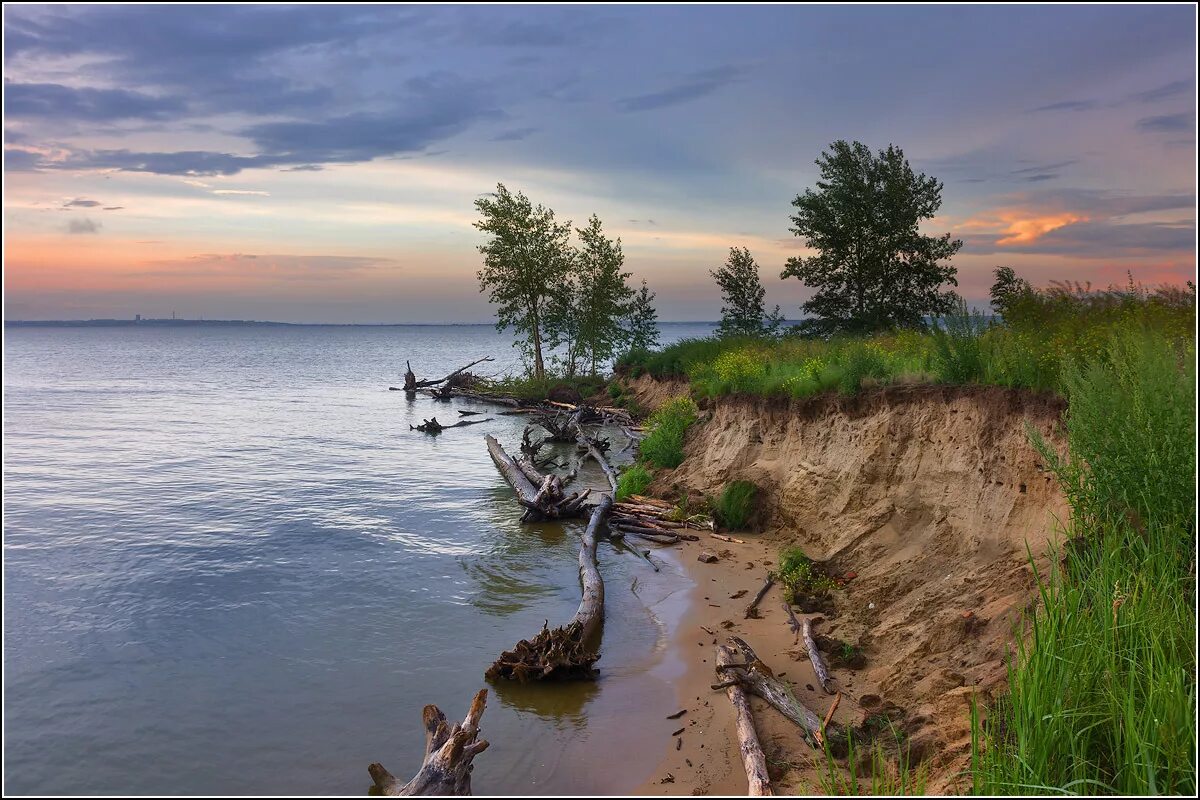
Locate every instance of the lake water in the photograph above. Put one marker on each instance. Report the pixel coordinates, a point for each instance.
(231, 568)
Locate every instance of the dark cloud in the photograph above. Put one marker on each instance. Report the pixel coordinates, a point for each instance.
(1167, 123)
(1042, 176)
(1045, 167)
(514, 135)
(1166, 90)
(84, 225)
(1067, 105)
(18, 160)
(698, 85)
(305, 168)
(54, 102)
(113, 208)
(80, 202)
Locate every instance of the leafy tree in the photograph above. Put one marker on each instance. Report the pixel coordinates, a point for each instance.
(642, 320)
(525, 262)
(602, 298)
(1007, 290)
(873, 269)
(743, 312)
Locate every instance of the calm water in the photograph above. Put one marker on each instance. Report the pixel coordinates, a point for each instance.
(231, 568)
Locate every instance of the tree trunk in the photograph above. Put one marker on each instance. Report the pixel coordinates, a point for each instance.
(814, 655)
(540, 501)
(565, 653)
(449, 752)
(753, 758)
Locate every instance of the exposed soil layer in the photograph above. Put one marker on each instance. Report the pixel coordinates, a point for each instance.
(924, 502)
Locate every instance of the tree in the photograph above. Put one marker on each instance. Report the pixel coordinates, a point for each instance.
(642, 320)
(525, 262)
(1007, 290)
(874, 269)
(602, 298)
(743, 312)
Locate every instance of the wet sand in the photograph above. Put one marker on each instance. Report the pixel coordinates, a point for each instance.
(704, 759)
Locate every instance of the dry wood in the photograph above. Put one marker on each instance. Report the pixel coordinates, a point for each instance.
(449, 751)
(793, 622)
(595, 452)
(431, 425)
(545, 501)
(727, 538)
(411, 384)
(566, 653)
(814, 655)
(752, 609)
(758, 678)
(753, 758)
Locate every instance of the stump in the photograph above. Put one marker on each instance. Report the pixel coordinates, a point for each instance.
(449, 751)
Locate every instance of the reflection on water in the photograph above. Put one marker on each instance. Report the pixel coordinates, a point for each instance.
(224, 548)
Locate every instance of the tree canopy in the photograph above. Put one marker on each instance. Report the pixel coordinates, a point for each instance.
(873, 269)
(743, 309)
(526, 261)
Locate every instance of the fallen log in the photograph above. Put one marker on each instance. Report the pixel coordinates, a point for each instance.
(449, 751)
(433, 426)
(752, 609)
(814, 655)
(411, 384)
(539, 504)
(595, 452)
(565, 653)
(758, 678)
(753, 758)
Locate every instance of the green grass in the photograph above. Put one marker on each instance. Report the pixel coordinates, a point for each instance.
(886, 773)
(1028, 350)
(800, 575)
(1102, 692)
(633, 480)
(736, 504)
(663, 445)
(529, 388)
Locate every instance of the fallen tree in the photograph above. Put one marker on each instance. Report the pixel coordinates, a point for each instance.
(431, 425)
(449, 751)
(565, 653)
(757, 678)
(544, 501)
(411, 384)
(814, 655)
(753, 758)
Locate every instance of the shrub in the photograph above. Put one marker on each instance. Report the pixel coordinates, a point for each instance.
(800, 575)
(736, 504)
(663, 445)
(633, 480)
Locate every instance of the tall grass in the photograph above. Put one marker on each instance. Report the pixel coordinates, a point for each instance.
(735, 505)
(663, 445)
(1102, 693)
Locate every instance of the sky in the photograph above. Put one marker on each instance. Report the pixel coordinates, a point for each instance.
(320, 163)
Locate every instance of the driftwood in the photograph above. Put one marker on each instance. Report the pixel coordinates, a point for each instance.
(545, 501)
(449, 751)
(565, 653)
(793, 623)
(411, 384)
(814, 655)
(596, 451)
(758, 678)
(433, 426)
(654, 520)
(752, 609)
(753, 758)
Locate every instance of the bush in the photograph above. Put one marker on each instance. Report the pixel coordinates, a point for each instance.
(958, 352)
(663, 445)
(736, 504)
(633, 480)
(800, 575)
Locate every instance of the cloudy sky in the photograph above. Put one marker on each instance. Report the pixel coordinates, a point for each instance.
(320, 163)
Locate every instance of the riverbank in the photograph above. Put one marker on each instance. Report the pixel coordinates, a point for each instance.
(919, 501)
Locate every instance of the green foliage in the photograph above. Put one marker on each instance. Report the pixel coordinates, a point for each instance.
(663, 445)
(633, 480)
(958, 351)
(892, 773)
(874, 270)
(594, 302)
(800, 575)
(1102, 694)
(743, 310)
(526, 262)
(530, 388)
(642, 320)
(736, 504)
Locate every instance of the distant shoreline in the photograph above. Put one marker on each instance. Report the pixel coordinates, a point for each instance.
(191, 323)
